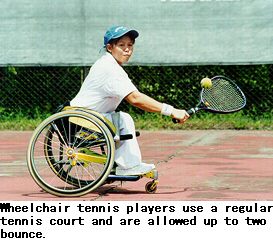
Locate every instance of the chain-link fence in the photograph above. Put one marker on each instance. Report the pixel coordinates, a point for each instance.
(29, 89)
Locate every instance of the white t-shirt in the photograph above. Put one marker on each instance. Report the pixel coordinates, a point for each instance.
(104, 87)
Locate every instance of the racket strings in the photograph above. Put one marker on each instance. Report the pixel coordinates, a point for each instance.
(223, 96)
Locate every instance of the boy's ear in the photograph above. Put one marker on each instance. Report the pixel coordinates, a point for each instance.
(109, 47)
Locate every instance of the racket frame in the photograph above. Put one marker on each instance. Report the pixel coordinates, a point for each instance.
(207, 108)
(201, 106)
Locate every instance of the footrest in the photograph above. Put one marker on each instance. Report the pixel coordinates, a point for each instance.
(113, 178)
(153, 174)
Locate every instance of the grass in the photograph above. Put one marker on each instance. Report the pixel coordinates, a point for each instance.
(203, 121)
(21, 122)
(151, 121)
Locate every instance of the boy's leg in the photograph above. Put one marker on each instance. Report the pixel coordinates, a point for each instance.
(128, 155)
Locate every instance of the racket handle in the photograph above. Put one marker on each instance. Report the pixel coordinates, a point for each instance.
(190, 112)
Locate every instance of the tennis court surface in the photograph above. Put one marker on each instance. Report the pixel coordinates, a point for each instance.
(205, 165)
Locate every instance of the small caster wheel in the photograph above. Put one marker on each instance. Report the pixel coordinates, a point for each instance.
(151, 187)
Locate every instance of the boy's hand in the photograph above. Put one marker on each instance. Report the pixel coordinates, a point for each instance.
(181, 115)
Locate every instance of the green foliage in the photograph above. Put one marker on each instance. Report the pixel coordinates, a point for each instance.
(28, 89)
(180, 85)
(19, 120)
(31, 93)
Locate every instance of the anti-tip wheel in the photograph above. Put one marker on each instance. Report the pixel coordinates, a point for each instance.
(151, 187)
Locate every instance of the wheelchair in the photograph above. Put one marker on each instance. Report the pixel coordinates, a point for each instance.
(71, 153)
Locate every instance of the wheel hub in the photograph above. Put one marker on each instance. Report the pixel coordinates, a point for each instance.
(70, 152)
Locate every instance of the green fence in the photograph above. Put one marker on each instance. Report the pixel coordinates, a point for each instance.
(28, 89)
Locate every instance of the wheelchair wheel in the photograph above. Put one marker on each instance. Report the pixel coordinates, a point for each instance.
(71, 153)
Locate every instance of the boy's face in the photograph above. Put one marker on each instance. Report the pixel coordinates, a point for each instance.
(123, 50)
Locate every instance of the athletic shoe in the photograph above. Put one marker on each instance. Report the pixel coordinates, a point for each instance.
(140, 169)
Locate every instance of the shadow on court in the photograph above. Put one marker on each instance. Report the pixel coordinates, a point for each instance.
(193, 166)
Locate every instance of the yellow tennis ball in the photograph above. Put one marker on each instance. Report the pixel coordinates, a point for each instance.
(206, 83)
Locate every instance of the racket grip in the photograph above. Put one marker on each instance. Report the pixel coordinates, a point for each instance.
(190, 112)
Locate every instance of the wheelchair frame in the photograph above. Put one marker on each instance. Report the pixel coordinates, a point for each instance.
(71, 153)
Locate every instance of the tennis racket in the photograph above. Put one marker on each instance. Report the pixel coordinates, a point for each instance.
(224, 96)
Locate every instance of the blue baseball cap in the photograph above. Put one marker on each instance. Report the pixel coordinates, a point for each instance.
(116, 32)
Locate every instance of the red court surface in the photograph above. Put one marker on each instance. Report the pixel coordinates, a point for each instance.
(205, 165)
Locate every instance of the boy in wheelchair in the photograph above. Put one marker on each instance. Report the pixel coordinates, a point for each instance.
(107, 84)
